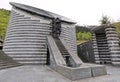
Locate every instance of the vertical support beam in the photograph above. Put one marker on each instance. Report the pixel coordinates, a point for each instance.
(113, 40)
(95, 48)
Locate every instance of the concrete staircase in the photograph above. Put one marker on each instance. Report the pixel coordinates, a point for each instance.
(63, 51)
(6, 61)
(58, 53)
(103, 49)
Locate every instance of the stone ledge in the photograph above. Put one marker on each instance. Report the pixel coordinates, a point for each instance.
(97, 70)
(82, 72)
(74, 73)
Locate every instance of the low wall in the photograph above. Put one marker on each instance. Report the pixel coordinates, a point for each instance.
(82, 72)
(85, 52)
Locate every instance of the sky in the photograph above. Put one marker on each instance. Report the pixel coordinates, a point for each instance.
(84, 12)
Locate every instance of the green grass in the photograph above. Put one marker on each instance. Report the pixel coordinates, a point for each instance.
(4, 18)
(83, 37)
(82, 34)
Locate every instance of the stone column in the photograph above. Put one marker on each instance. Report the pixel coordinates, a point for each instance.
(113, 40)
(95, 48)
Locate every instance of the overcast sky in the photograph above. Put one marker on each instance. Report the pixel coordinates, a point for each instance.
(84, 12)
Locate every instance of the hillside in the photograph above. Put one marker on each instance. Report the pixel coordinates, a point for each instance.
(82, 34)
(4, 18)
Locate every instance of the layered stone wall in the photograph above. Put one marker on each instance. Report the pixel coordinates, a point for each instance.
(113, 44)
(105, 45)
(68, 35)
(85, 52)
(25, 39)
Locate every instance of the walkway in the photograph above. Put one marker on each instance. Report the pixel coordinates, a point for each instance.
(45, 74)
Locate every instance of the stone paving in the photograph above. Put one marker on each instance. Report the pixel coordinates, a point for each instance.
(33, 73)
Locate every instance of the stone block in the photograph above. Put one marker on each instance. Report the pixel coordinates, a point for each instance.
(75, 73)
(97, 70)
(81, 73)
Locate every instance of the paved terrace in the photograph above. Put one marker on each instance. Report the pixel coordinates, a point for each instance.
(33, 73)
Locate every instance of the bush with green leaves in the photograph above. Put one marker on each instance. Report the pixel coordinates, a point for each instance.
(83, 36)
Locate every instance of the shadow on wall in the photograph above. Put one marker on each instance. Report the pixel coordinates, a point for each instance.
(1, 44)
(85, 52)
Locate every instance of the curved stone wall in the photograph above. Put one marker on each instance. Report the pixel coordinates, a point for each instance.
(113, 44)
(25, 39)
(106, 45)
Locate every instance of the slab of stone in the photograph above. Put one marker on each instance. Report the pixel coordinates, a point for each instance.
(75, 73)
(97, 70)
(82, 72)
(35, 73)
(31, 73)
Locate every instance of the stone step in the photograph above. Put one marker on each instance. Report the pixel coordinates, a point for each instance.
(101, 38)
(102, 42)
(102, 45)
(64, 54)
(105, 59)
(104, 56)
(104, 53)
(100, 35)
(102, 48)
(63, 51)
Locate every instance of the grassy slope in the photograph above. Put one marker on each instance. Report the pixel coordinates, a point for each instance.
(4, 18)
(83, 34)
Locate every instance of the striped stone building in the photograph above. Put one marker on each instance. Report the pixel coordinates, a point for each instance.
(35, 36)
(106, 45)
(28, 27)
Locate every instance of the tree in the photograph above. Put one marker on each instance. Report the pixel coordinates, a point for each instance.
(105, 20)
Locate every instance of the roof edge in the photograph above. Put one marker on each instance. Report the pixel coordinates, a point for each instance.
(44, 12)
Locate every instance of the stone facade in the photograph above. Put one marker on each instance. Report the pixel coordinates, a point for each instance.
(113, 44)
(28, 27)
(29, 40)
(85, 52)
(105, 45)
